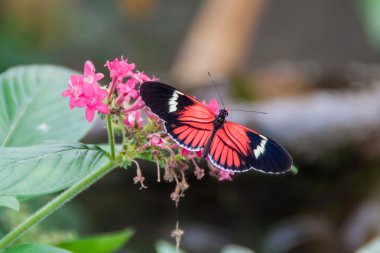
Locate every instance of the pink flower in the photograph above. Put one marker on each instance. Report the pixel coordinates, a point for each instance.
(141, 77)
(134, 118)
(127, 89)
(213, 105)
(92, 98)
(137, 105)
(74, 91)
(76, 83)
(225, 175)
(156, 140)
(119, 69)
(90, 76)
(199, 173)
(152, 116)
(185, 152)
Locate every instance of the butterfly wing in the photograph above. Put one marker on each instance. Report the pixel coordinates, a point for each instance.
(237, 148)
(187, 121)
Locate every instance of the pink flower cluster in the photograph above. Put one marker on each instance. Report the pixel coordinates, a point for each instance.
(127, 89)
(156, 140)
(84, 91)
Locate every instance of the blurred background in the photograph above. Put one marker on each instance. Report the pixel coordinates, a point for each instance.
(312, 65)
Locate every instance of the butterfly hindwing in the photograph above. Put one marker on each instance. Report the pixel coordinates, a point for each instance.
(187, 121)
(237, 148)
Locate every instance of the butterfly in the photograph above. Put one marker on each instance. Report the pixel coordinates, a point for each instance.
(228, 145)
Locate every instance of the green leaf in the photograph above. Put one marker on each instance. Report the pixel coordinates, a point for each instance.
(35, 248)
(10, 201)
(47, 168)
(104, 243)
(236, 249)
(371, 247)
(293, 170)
(166, 247)
(369, 10)
(32, 109)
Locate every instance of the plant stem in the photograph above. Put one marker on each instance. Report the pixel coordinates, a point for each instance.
(56, 203)
(111, 138)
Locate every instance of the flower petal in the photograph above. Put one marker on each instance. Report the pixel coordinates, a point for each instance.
(90, 113)
(66, 93)
(88, 90)
(98, 76)
(72, 102)
(102, 108)
(184, 152)
(89, 68)
(213, 105)
(76, 79)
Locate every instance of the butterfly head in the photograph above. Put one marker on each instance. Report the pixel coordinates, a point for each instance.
(223, 112)
(220, 119)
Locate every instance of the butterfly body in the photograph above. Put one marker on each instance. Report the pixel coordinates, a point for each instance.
(219, 121)
(228, 145)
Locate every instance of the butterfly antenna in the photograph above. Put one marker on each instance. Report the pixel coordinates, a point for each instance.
(238, 110)
(216, 87)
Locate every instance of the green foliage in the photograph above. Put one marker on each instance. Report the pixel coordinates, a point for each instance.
(51, 231)
(294, 170)
(10, 201)
(236, 249)
(46, 168)
(31, 112)
(370, 14)
(166, 247)
(32, 109)
(34, 248)
(105, 243)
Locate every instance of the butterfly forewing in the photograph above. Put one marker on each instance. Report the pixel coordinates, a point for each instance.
(187, 121)
(237, 148)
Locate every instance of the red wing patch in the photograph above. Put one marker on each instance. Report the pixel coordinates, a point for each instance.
(229, 148)
(192, 126)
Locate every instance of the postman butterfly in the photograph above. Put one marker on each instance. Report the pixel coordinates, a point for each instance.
(228, 145)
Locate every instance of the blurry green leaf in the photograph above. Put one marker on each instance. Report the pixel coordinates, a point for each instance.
(370, 10)
(370, 247)
(32, 109)
(236, 249)
(105, 243)
(107, 148)
(10, 201)
(47, 168)
(35, 248)
(166, 247)
(294, 170)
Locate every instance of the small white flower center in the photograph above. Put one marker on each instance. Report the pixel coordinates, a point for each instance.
(76, 91)
(131, 118)
(88, 79)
